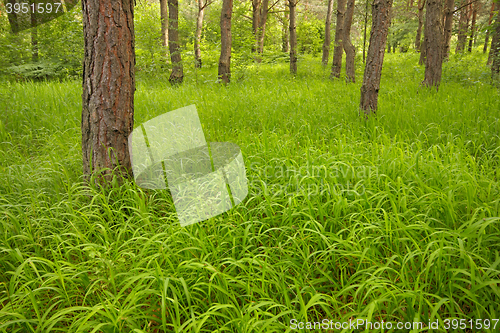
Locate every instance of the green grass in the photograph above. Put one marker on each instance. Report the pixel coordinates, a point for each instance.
(393, 219)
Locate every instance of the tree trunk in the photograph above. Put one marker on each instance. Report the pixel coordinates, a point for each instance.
(327, 41)
(262, 26)
(418, 38)
(108, 88)
(423, 52)
(293, 38)
(225, 49)
(197, 39)
(463, 25)
(255, 23)
(473, 26)
(177, 74)
(487, 38)
(495, 47)
(164, 24)
(381, 19)
(339, 45)
(448, 25)
(364, 32)
(34, 38)
(350, 50)
(434, 44)
(285, 40)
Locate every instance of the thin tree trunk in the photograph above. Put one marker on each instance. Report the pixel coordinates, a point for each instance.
(448, 25)
(262, 26)
(255, 23)
(487, 38)
(34, 38)
(338, 49)
(495, 46)
(350, 50)
(418, 38)
(293, 37)
(463, 25)
(381, 18)
(177, 74)
(284, 37)
(364, 32)
(225, 50)
(197, 39)
(327, 41)
(108, 88)
(473, 26)
(434, 44)
(164, 24)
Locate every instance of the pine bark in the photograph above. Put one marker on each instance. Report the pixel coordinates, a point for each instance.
(177, 74)
(434, 43)
(293, 37)
(381, 18)
(448, 25)
(108, 88)
(338, 48)
(197, 39)
(418, 38)
(164, 24)
(225, 52)
(328, 40)
(350, 50)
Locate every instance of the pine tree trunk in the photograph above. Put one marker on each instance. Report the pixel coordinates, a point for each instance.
(434, 43)
(177, 74)
(448, 25)
(495, 47)
(463, 25)
(381, 19)
(338, 48)
(487, 37)
(108, 88)
(225, 50)
(327, 41)
(293, 37)
(197, 39)
(473, 27)
(164, 24)
(350, 50)
(418, 38)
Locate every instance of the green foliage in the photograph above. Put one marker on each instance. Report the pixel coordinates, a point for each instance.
(415, 236)
(310, 36)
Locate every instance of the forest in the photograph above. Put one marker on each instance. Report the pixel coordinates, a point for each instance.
(370, 137)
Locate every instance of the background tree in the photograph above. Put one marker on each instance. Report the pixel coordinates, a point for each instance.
(225, 49)
(327, 41)
(293, 37)
(473, 25)
(381, 19)
(495, 46)
(202, 4)
(108, 86)
(418, 37)
(463, 26)
(448, 25)
(433, 43)
(177, 74)
(487, 37)
(285, 39)
(164, 24)
(350, 50)
(339, 45)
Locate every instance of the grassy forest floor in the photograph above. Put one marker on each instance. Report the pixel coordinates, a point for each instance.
(395, 218)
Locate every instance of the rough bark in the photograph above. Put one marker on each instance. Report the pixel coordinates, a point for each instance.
(225, 52)
(164, 24)
(495, 47)
(487, 37)
(418, 38)
(285, 40)
(108, 88)
(328, 40)
(197, 39)
(448, 25)
(463, 25)
(434, 43)
(473, 26)
(177, 74)
(350, 50)
(293, 37)
(339, 45)
(381, 18)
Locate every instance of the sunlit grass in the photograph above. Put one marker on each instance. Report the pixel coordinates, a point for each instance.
(394, 219)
